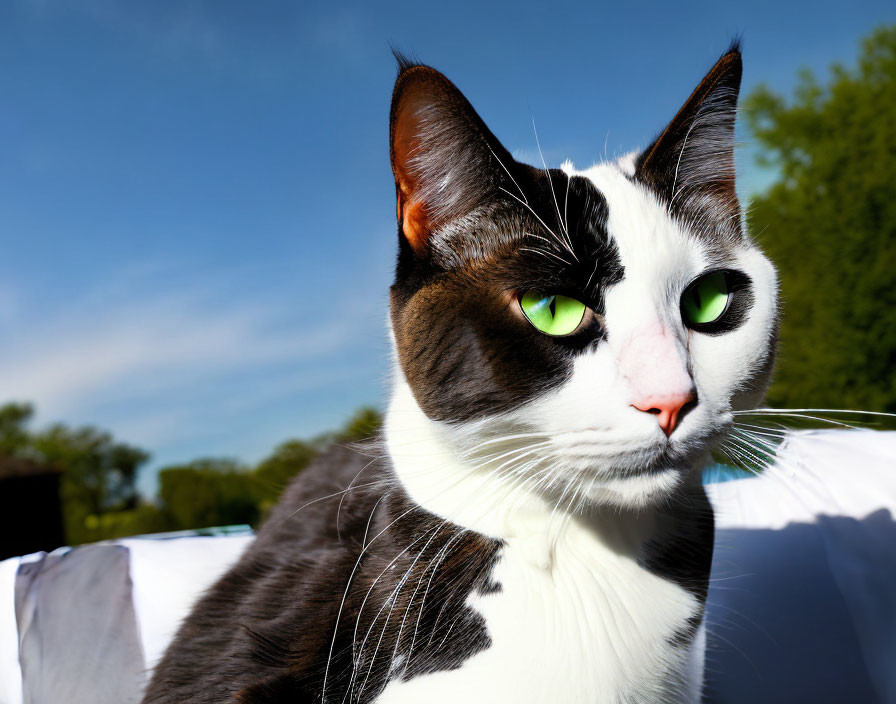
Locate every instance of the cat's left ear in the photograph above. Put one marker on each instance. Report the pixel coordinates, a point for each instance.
(690, 166)
(445, 160)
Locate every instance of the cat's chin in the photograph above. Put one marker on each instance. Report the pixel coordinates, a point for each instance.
(636, 478)
(625, 487)
(638, 491)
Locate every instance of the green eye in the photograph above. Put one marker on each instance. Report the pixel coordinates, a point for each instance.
(552, 315)
(706, 299)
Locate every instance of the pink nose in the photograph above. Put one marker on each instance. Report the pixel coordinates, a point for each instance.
(667, 408)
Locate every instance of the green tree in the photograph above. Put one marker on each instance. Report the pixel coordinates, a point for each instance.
(208, 492)
(98, 489)
(98, 474)
(364, 424)
(14, 436)
(830, 226)
(272, 474)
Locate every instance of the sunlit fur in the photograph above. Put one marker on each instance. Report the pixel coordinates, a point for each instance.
(565, 477)
(605, 529)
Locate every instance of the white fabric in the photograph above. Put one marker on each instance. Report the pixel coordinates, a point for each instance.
(10, 674)
(802, 600)
(168, 576)
(830, 472)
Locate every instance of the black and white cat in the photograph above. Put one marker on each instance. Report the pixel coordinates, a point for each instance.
(569, 347)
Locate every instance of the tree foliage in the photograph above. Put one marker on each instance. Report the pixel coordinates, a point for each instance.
(208, 492)
(98, 484)
(98, 473)
(276, 471)
(829, 224)
(14, 419)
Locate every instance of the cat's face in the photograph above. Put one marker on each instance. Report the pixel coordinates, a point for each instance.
(609, 319)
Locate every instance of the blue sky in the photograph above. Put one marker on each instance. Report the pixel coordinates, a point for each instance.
(196, 208)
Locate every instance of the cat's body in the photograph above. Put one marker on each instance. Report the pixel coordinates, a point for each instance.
(531, 526)
(595, 612)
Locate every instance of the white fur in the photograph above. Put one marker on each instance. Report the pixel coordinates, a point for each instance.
(561, 481)
(577, 619)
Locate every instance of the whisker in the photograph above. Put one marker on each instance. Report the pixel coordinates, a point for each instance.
(544, 224)
(510, 176)
(812, 410)
(545, 253)
(565, 203)
(394, 600)
(553, 193)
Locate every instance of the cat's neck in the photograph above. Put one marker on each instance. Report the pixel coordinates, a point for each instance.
(498, 504)
(566, 577)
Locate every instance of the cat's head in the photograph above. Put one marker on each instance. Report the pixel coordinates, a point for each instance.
(610, 318)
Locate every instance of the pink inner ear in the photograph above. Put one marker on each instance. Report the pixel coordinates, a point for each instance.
(405, 143)
(414, 223)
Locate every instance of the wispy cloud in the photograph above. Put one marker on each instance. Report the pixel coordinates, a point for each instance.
(161, 369)
(67, 358)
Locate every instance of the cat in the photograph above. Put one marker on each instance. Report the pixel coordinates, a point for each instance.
(531, 526)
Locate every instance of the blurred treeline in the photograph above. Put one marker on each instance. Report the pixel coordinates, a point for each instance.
(829, 224)
(98, 477)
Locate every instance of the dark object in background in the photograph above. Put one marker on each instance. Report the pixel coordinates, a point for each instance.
(30, 509)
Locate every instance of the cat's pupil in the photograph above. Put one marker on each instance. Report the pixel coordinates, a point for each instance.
(552, 306)
(695, 292)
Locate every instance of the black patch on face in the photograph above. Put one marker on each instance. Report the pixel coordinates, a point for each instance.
(476, 231)
(264, 632)
(464, 345)
(690, 165)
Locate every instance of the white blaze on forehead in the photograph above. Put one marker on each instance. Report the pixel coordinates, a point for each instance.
(659, 259)
(642, 312)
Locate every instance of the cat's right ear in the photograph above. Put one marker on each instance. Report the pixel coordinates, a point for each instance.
(691, 164)
(445, 160)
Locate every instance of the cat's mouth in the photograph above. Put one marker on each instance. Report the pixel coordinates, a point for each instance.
(599, 451)
(602, 462)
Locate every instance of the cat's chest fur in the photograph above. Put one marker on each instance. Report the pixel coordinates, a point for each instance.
(572, 621)
(586, 607)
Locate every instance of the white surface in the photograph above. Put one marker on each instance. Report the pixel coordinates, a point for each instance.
(802, 600)
(827, 472)
(168, 576)
(10, 674)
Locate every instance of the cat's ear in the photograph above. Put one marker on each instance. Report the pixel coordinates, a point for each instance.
(691, 164)
(445, 160)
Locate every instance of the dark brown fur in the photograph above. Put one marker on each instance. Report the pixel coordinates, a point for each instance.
(264, 632)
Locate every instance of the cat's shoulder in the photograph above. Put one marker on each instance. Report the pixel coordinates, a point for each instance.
(338, 488)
